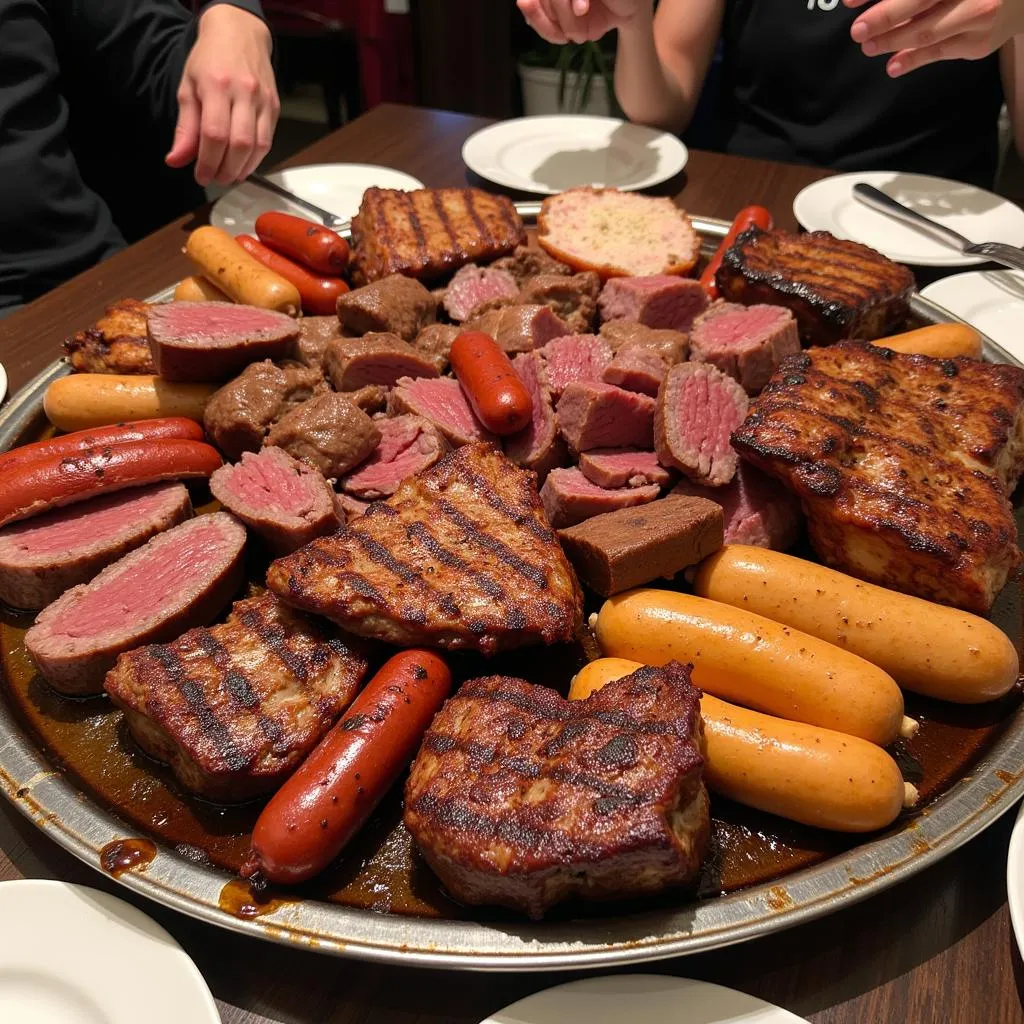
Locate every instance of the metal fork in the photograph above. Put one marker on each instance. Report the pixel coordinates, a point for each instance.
(329, 219)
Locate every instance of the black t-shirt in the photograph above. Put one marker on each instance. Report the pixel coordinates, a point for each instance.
(793, 86)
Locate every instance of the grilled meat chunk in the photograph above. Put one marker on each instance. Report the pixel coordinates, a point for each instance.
(431, 232)
(521, 799)
(836, 289)
(116, 343)
(459, 557)
(903, 465)
(234, 708)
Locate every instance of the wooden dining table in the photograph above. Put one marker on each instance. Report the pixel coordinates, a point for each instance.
(937, 947)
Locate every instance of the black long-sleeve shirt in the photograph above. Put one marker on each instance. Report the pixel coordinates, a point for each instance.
(87, 114)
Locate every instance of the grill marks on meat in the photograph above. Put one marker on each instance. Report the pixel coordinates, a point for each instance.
(235, 708)
(521, 799)
(116, 343)
(460, 557)
(902, 463)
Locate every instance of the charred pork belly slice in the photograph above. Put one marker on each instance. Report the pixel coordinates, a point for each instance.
(116, 343)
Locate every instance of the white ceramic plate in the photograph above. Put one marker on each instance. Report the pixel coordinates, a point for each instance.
(641, 999)
(1015, 880)
(829, 205)
(551, 154)
(990, 300)
(337, 188)
(73, 955)
(3, 382)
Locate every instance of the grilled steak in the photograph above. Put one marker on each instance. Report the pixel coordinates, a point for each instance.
(431, 232)
(394, 305)
(604, 416)
(902, 463)
(442, 401)
(539, 447)
(569, 497)
(314, 333)
(636, 368)
(623, 467)
(234, 708)
(672, 346)
(575, 359)
(42, 557)
(836, 289)
(116, 343)
(660, 301)
(353, 363)
(408, 444)
(472, 286)
(572, 299)
(520, 328)
(178, 579)
(521, 799)
(525, 263)
(459, 557)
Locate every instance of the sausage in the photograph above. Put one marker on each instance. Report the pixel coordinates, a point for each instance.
(220, 259)
(815, 776)
(198, 289)
(319, 294)
(928, 648)
(497, 395)
(83, 401)
(753, 661)
(321, 249)
(84, 440)
(316, 812)
(56, 480)
(747, 217)
(940, 341)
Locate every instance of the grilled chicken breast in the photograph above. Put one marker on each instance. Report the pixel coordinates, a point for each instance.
(116, 343)
(460, 557)
(903, 465)
(431, 232)
(521, 799)
(836, 289)
(235, 708)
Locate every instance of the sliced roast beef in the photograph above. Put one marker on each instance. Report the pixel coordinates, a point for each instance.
(672, 346)
(348, 508)
(396, 305)
(572, 299)
(758, 510)
(658, 301)
(314, 333)
(212, 341)
(239, 415)
(435, 342)
(442, 401)
(284, 501)
(604, 416)
(569, 497)
(407, 445)
(42, 557)
(539, 447)
(472, 286)
(525, 263)
(520, 328)
(636, 368)
(575, 359)
(698, 409)
(176, 580)
(328, 432)
(623, 467)
(353, 363)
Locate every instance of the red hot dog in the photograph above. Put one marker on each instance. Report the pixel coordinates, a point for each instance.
(316, 812)
(314, 246)
(55, 480)
(497, 395)
(747, 217)
(319, 294)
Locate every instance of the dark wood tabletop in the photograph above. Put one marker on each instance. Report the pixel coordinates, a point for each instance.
(938, 947)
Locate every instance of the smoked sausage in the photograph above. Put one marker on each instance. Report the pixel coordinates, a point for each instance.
(497, 395)
(319, 294)
(321, 249)
(747, 217)
(316, 812)
(198, 289)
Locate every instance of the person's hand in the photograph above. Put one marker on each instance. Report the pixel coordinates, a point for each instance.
(579, 21)
(919, 32)
(227, 100)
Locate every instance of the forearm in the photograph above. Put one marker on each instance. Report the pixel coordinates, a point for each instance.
(647, 92)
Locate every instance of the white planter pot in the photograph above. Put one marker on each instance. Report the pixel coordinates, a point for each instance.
(540, 93)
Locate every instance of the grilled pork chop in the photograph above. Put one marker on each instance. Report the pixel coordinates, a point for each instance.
(234, 708)
(459, 557)
(116, 343)
(836, 289)
(521, 799)
(431, 232)
(903, 465)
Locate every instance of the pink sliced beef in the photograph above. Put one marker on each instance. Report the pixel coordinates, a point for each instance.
(604, 416)
(623, 467)
(659, 301)
(636, 368)
(569, 497)
(575, 359)
(44, 556)
(353, 363)
(698, 409)
(408, 444)
(282, 500)
(758, 510)
(746, 342)
(442, 401)
(472, 286)
(176, 580)
(520, 328)
(213, 341)
(539, 447)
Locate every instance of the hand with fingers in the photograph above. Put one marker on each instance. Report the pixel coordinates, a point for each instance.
(920, 32)
(227, 100)
(579, 21)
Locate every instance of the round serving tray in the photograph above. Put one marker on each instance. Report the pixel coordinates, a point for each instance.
(63, 811)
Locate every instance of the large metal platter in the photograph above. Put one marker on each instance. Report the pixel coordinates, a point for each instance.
(55, 804)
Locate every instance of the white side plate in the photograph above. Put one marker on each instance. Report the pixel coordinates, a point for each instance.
(1015, 880)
